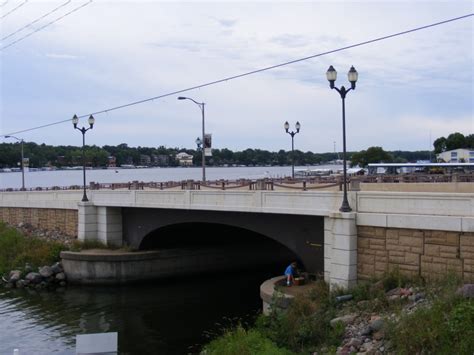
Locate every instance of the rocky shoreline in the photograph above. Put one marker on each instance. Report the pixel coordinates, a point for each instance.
(364, 330)
(44, 277)
(57, 236)
(47, 277)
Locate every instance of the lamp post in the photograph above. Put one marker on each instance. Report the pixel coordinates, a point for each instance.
(22, 162)
(201, 107)
(83, 130)
(292, 134)
(198, 143)
(352, 75)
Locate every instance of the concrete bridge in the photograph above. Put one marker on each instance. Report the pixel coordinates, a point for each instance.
(419, 233)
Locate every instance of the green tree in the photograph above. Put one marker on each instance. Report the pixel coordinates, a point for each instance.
(470, 141)
(455, 141)
(371, 155)
(439, 145)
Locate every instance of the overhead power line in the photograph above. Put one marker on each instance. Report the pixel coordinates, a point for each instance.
(35, 21)
(14, 9)
(378, 39)
(43, 27)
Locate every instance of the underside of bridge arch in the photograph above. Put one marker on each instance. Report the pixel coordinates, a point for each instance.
(241, 248)
(284, 236)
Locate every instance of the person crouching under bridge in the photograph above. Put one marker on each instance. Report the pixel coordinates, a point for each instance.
(291, 272)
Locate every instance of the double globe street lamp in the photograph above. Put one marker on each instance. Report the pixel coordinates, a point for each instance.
(199, 141)
(83, 130)
(22, 161)
(292, 134)
(352, 75)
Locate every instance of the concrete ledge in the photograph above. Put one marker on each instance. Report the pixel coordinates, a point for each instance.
(103, 266)
(270, 296)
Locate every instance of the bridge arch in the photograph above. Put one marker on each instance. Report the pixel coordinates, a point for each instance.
(302, 235)
(242, 248)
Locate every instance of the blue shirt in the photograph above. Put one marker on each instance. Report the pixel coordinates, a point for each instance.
(289, 270)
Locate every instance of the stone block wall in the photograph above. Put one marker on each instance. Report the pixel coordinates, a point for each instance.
(414, 252)
(61, 220)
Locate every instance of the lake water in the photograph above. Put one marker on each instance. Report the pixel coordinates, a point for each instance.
(161, 317)
(74, 177)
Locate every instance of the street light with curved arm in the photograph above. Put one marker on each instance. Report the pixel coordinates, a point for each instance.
(352, 75)
(292, 134)
(83, 130)
(201, 107)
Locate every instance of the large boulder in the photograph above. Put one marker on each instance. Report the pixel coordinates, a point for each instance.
(349, 318)
(57, 268)
(14, 276)
(46, 271)
(33, 277)
(467, 291)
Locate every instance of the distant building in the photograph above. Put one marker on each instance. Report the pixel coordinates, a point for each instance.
(456, 156)
(111, 161)
(184, 159)
(145, 159)
(160, 160)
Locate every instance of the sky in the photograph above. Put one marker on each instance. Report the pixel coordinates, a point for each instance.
(411, 90)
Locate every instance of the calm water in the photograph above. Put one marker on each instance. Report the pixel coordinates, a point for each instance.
(74, 177)
(162, 317)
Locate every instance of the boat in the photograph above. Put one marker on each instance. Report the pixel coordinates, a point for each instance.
(313, 172)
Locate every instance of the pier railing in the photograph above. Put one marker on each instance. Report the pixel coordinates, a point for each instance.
(333, 182)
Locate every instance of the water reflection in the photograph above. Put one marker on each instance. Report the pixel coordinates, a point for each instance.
(162, 317)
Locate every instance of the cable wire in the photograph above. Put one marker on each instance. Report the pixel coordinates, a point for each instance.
(35, 21)
(43, 27)
(2, 5)
(248, 73)
(14, 9)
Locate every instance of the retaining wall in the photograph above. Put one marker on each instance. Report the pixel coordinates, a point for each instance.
(414, 252)
(63, 220)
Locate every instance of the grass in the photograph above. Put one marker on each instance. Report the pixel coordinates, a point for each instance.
(16, 250)
(305, 325)
(78, 245)
(240, 341)
(445, 327)
(443, 324)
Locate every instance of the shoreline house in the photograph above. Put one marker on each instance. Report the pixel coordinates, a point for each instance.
(184, 159)
(456, 156)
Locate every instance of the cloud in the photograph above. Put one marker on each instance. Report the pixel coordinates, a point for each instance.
(226, 22)
(129, 51)
(290, 40)
(61, 56)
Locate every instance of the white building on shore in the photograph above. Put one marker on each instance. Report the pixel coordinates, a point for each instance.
(456, 156)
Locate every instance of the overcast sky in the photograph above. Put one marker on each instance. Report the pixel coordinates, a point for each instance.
(111, 53)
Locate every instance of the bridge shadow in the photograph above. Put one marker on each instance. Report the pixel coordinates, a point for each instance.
(241, 248)
(242, 236)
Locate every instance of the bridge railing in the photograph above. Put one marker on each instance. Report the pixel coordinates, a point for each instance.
(307, 183)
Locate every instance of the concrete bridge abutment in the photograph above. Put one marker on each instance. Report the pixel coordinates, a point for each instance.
(340, 249)
(99, 223)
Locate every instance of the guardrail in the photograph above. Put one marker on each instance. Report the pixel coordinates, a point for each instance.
(304, 184)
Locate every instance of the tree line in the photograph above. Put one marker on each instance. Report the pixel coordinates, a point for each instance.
(41, 155)
(453, 141)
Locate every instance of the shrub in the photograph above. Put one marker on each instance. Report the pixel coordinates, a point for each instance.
(243, 342)
(445, 327)
(16, 250)
(305, 325)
